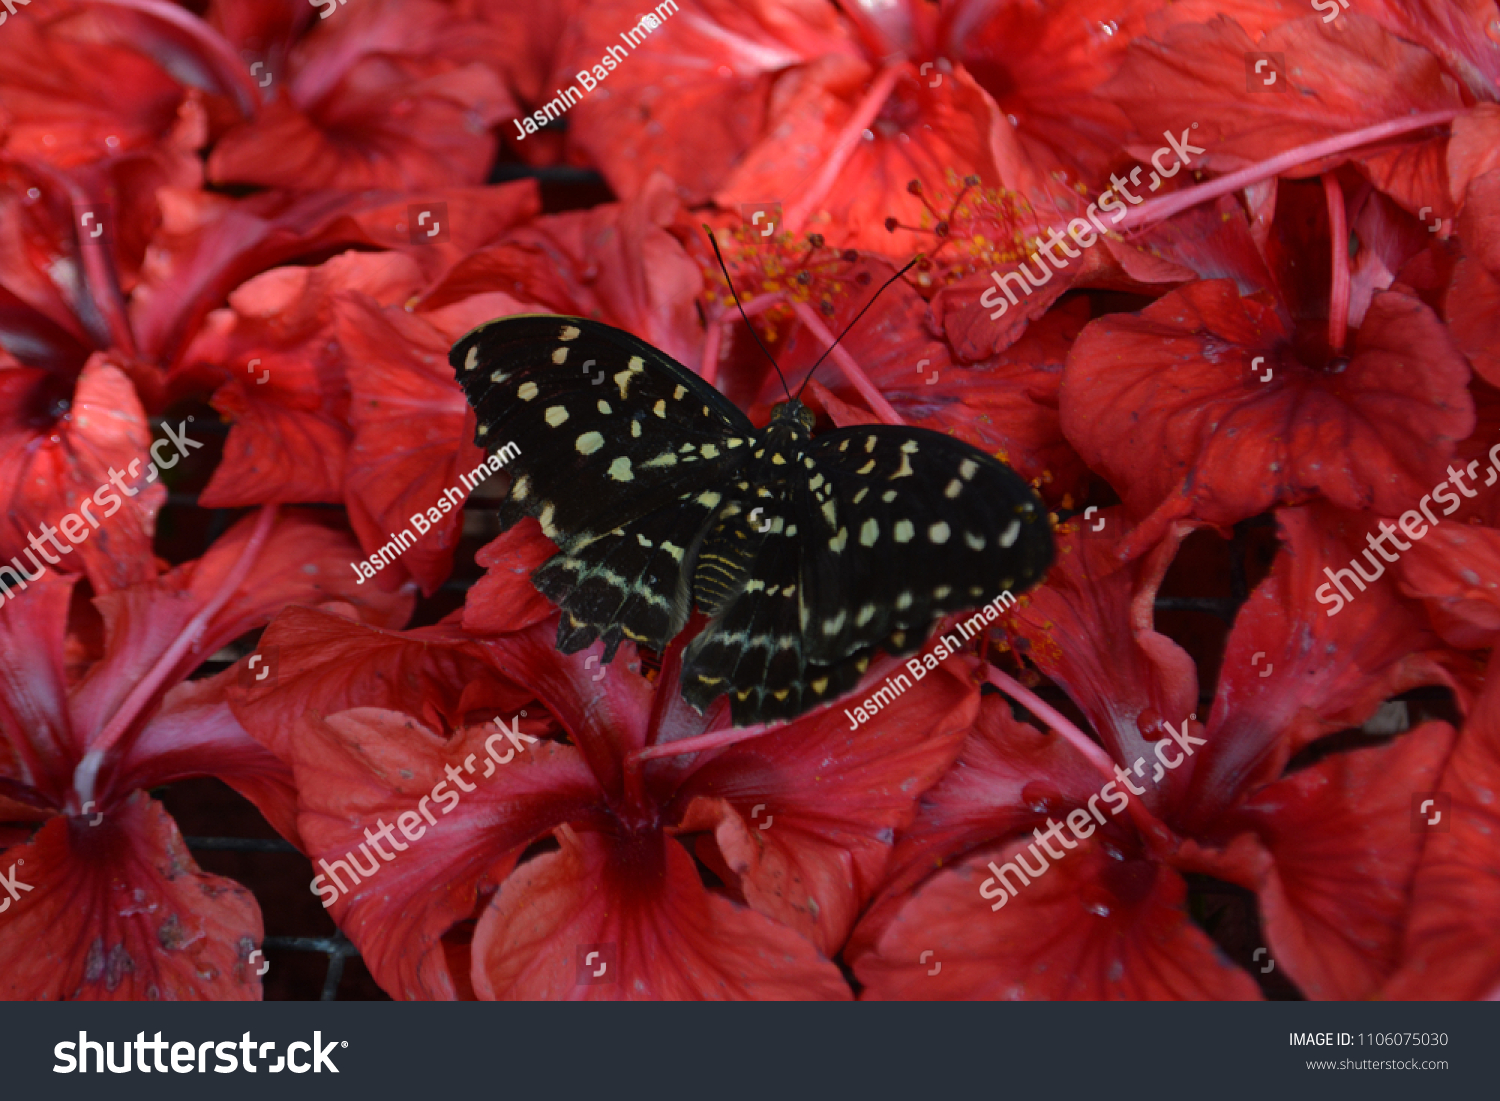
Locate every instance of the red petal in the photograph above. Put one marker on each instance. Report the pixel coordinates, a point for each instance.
(720, 61)
(360, 770)
(1338, 79)
(382, 100)
(412, 438)
(1006, 770)
(38, 745)
(1451, 569)
(287, 394)
(639, 899)
(327, 664)
(120, 912)
(1126, 681)
(1329, 667)
(504, 599)
(195, 734)
(54, 467)
(617, 263)
(1094, 927)
(806, 814)
(1334, 861)
(1451, 950)
(1165, 404)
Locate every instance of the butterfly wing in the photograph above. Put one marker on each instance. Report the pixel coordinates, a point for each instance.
(892, 528)
(622, 455)
(906, 525)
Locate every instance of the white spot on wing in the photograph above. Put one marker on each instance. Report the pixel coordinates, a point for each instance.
(904, 531)
(556, 415)
(589, 442)
(619, 470)
(1008, 536)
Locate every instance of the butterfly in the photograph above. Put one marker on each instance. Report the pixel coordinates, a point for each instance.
(805, 553)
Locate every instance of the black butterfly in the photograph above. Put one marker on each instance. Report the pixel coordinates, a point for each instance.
(805, 553)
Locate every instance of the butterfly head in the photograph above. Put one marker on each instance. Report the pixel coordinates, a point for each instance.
(792, 414)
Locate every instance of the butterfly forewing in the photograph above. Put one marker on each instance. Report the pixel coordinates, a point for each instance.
(621, 451)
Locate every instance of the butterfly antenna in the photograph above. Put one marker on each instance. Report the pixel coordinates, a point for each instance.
(910, 264)
(741, 305)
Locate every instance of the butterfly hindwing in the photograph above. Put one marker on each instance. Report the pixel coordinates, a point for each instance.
(621, 449)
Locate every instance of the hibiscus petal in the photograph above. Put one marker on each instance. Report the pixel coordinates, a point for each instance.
(705, 77)
(806, 815)
(1329, 667)
(412, 437)
(327, 663)
(504, 599)
(120, 912)
(381, 100)
(639, 899)
(1333, 861)
(54, 467)
(1097, 926)
(1452, 570)
(1165, 403)
(1128, 682)
(1006, 771)
(195, 734)
(362, 771)
(1338, 80)
(1450, 950)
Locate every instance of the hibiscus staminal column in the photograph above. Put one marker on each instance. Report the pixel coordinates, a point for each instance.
(844, 145)
(852, 370)
(1153, 211)
(87, 771)
(1338, 298)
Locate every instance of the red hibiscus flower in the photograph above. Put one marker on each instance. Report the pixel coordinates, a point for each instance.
(1217, 798)
(796, 823)
(96, 710)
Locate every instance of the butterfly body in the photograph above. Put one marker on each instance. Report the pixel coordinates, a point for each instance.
(806, 553)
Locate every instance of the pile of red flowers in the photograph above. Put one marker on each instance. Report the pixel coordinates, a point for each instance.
(279, 208)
